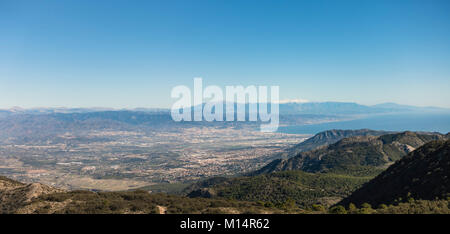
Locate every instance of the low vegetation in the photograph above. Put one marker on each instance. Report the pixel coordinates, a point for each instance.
(277, 189)
(408, 207)
(422, 174)
(140, 202)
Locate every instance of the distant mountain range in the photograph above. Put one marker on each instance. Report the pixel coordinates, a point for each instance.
(64, 110)
(317, 108)
(42, 122)
(18, 122)
(40, 126)
(398, 107)
(350, 108)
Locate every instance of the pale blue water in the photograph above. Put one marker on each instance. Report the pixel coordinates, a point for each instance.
(430, 122)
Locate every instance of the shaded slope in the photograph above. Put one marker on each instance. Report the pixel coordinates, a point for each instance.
(423, 174)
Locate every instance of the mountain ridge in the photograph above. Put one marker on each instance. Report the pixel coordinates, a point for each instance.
(354, 153)
(327, 107)
(326, 138)
(422, 174)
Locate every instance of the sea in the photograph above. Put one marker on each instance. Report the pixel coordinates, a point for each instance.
(428, 122)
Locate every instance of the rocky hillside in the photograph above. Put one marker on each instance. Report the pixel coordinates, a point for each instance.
(326, 138)
(36, 198)
(360, 155)
(423, 174)
(15, 195)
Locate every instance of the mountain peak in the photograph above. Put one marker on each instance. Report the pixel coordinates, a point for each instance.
(360, 151)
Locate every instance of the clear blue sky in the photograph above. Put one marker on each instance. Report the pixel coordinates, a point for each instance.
(131, 53)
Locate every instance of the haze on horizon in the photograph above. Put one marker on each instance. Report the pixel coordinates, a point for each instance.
(128, 54)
